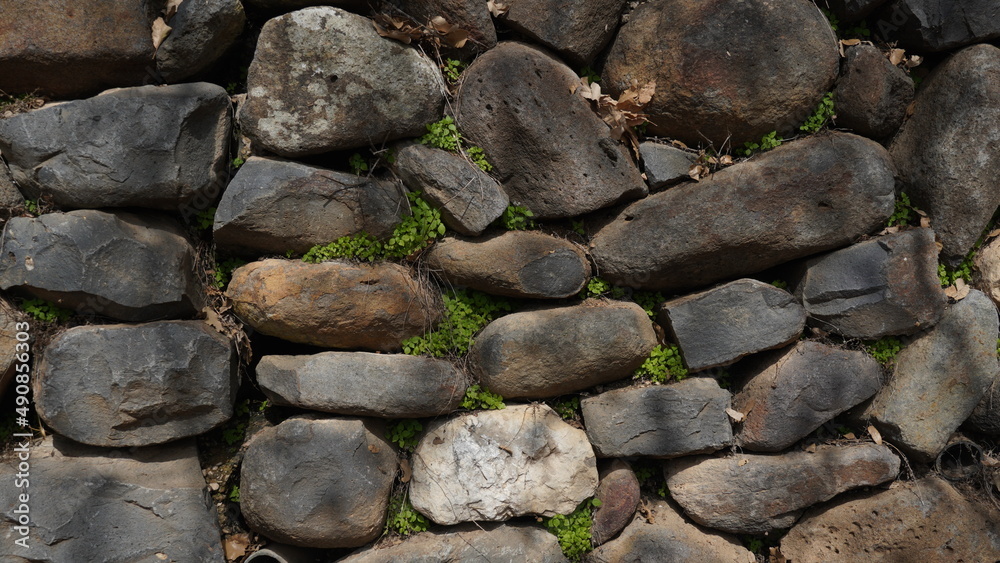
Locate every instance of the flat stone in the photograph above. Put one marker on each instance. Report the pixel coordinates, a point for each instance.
(469, 542)
(577, 31)
(939, 25)
(872, 94)
(618, 491)
(201, 33)
(664, 164)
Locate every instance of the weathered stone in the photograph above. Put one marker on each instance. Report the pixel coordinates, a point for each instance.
(334, 304)
(987, 269)
(659, 421)
(471, 15)
(122, 265)
(96, 504)
(272, 206)
(201, 32)
(804, 197)
(709, 83)
(549, 149)
(939, 378)
(985, 417)
(151, 146)
(946, 143)
(515, 264)
(852, 10)
(792, 392)
(719, 326)
(469, 542)
(469, 199)
(322, 79)
(136, 385)
(887, 285)
(618, 491)
(939, 25)
(664, 164)
(501, 464)
(667, 536)
(926, 520)
(872, 94)
(282, 6)
(10, 196)
(363, 384)
(558, 350)
(577, 31)
(756, 493)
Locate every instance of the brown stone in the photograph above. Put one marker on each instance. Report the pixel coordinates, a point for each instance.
(576, 30)
(872, 94)
(618, 491)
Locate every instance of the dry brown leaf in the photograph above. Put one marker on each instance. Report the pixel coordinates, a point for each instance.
(698, 171)
(726, 160)
(896, 56)
(236, 546)
(913, 61)
(160, 32)
(811, 448)
(213, 319)
(171, 8)
(743, 462)
(456, 38)
(925, 222)
(438, 441)
(776, 556)
(889, 230)
(679, 144)
(373, 448)
(958, 291)
(850, 436)
(875, 434)
(497, 9)
(847, 43)
(405, 472)
(736, 415)
(911, 108)
(440, 24)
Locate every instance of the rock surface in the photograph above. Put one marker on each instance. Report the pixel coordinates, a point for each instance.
(985, 417)
(558, 350)
(987, 269)
(577, 31)
(872, 94)
(10, 196)
(338, 470)
(550, 151)
(804, 197)
(852, 10)
(202, 31)
(334, 304)
(470, 15)
(939, 25)
(663, 421)
(8, 345)
(501, 464)
(469, 542)
(618, 491)
(664, 164)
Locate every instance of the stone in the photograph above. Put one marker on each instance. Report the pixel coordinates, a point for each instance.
(322, 79)
(334, 304)
(363, 384)
(272, 206)
(561, 349)
(74, 48)
(955, 119)
(514, 264)
(469, 542)
(872, 94)
(759, 493)
(283, 6)
(577, 31)
(469, 199)
(925, 520)
(852, 10)
(938, 25)
(940, 377)
(136, 385)
(470, 15)
(883, 286)
(101, 504)
(618, 491)
(661, 421)
(501, 464)
(986, 271)
(709, 86)
(804, 197)
(10, 196)
(719, 326)
(668, 536)
(985, 418)
(151, 146)
(790, 393)
(664, 164)
(550, 151)
(202, 31)
(338, 470)
(122, 265)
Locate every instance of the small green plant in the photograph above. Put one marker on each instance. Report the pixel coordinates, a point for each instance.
(442, 134)
(597, 287)
(234, 494)
(780, 284)
(884, 349)
(31, 206)
(579, 228)
(224, 271)
(237, 162)
(205, 218)
(403, 518)
(644, 473)
(664, 363)
(859, 30)
(649, 301)
(477, 397)
(823, 114)
(358, 164)
(568, 409)
(452, 69)
(234, 435)
(45, 311)
(573, 530)
(517, 218)
(404, 433)
(478, 157)
(754, 544)
(590, 74)
(767, 142)
(949, 276)
(466, 312)
(903, 212)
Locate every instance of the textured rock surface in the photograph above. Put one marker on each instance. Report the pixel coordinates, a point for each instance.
(939, 25)
(122, 265)
(8, 345)
(202, 31)
(501, 464)
(469, 542)
(618, 491)
(804, 197)
(515, 264)
(338, 470)
(97, 504)
(150, 146)
(683, 418)
(557, 350)
(322, 79)
(987, 269)
(363, 384)
(470, 15)
(550, 151)
(272, 206)
(792, 392)
(577, 31)
(10, 196)
(872, 94)
(664, 164)
(721, 325)
(852, 10)
(985, 417)
(947, 140)
(334, 304)
(754, 493)
(939, 378)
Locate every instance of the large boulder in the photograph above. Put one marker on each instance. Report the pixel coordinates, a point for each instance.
(872, 94)
(939, 25)
(577, 31)
(469, 542)
(201, 33)
(804, 197)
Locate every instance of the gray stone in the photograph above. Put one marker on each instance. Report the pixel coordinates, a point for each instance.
(469, 199)
(201, 32)
(939, 25)
(872, 94)
(469, 542)
(883, 286)
(97, 504)
(852, 10)
(618, 491)
(558, 350)
(792, 392)
(939, 378)
(719, 326)
(985, 417)
(662, 421)
(515, 264)
(986, 269)
(498, 465)
(282, 6)
(272, 206)
(10, 196)
(363, 384)
(471, 15)
(946, 143)
(339, 471)
(9, 329)
(804, 197)
(757, 493)
(664, 164)
(577, 31)
(550, 151)
(122, 265)
(322, 79)
(150, 146)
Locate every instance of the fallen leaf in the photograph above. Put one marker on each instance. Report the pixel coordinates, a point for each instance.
(958, 291)
(440, 24)
(497, 9)
(911, 108)
(373, 448)
(875, 434)
(161, 556)
(437, 441)
(160, 32)
(678, 144)
(726, 160)
(925, 222)
(847, 43)
(896, 56)
(890, 230)
(236, 546)
(736, 415)
(913, 61)
(811, 448)
(213, 319)
(850, 436)
(776, 556)
(406, 472)
(743, 462)
(456, 38)
(171, 8)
